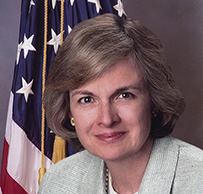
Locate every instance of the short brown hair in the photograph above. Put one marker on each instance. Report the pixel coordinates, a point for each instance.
(91, 49)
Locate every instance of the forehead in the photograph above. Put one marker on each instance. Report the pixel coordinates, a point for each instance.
(123, 73)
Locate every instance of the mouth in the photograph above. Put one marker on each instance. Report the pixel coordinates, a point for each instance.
(110, 137)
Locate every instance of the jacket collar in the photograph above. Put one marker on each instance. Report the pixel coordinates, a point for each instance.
(95, 172)
(158, 177)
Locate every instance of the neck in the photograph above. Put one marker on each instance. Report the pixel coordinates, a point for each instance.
(127, 173)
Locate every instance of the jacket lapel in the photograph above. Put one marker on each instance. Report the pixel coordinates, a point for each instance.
(161, 168)
(92, 180)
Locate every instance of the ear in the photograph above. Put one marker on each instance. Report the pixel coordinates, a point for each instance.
(70, 114)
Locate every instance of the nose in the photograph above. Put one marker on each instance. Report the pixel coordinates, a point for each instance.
(107, 115)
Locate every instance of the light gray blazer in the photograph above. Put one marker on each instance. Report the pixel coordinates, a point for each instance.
(174, 167)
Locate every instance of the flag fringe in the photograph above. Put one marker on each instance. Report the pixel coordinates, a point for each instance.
(59, 149)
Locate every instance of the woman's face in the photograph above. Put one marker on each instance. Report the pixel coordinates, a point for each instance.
(113, 114)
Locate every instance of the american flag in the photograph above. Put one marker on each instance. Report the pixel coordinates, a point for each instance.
(22, 144)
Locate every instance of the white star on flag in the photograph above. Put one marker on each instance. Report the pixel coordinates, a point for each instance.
(31, 3)
(27, 45)
(71, 2)
(54, 3)
(18, 52)
(97, 3)
(69, 29)
(119, 8)
(26, 89)
(55, 41)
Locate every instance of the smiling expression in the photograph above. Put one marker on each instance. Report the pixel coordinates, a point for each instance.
(113, 113)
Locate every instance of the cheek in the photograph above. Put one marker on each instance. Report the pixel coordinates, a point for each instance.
(137, 115)
(83, 122)
(83, 126)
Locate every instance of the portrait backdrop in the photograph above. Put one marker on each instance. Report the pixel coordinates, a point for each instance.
(179, 26)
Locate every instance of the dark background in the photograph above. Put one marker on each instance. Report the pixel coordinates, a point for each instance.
(179, 25)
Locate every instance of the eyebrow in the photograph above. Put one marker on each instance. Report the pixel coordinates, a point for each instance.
(115, 93)
(82, 92)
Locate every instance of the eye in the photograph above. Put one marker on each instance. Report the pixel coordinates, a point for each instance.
(125, 95)
(85, 100)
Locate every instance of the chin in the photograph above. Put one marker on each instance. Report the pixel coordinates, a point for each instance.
(111, 155)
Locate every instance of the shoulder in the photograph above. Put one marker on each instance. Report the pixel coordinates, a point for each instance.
(188, 175)
(70, 174)
(185, 150)
(79, 160)
(174, 167)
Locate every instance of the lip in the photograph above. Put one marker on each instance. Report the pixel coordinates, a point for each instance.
(110, 137)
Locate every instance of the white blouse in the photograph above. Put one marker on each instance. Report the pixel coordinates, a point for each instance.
(110, 187)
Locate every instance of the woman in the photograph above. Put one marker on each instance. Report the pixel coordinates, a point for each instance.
(110, 93)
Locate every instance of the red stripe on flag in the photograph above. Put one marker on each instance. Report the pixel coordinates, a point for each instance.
(8, 185)
(4, 162)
